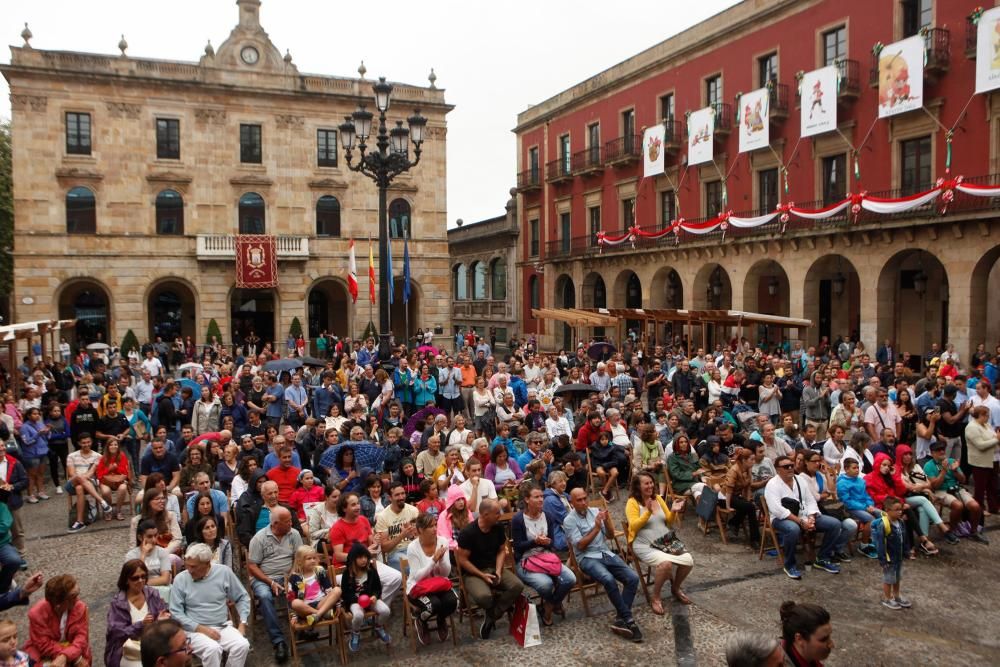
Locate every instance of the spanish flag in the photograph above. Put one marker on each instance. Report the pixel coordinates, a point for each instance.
(371, 272)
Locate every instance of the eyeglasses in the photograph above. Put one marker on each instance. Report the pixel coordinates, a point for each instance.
(787, 466)
(186, 648)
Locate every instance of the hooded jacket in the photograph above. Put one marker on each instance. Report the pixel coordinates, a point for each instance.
(372, 586)
(444, 525)
(248, 509)
(556, 511)
(878, 487)
(853, 492)
(412, 482)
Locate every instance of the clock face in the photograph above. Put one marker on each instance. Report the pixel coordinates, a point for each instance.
(249, 55)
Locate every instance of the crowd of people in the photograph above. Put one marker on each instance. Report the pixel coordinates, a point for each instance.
(267, 486)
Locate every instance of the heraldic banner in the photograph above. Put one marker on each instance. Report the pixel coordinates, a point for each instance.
(256, 261)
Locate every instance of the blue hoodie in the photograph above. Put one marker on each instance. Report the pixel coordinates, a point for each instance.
(852, 492)
(556, 511)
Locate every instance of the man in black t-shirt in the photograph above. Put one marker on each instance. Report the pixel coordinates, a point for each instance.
(85, 418)
(480, 557)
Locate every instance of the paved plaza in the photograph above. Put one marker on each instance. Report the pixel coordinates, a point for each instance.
(952, 622)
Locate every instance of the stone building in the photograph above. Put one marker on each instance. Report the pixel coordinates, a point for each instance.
(916, 278)
(484, 258)
(132, 178)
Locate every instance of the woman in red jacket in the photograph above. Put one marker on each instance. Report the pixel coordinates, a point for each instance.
(884, 481)
(46, 639)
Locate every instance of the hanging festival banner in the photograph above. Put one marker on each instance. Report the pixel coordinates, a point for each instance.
(988, 51)
(819, 101)
(754, 125)
(256, 261)
(901, 77)
(652, 150)
(701, 131)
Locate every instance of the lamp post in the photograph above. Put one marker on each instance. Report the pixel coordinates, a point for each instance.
(389, 159)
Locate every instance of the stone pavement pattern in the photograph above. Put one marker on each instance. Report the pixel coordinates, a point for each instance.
(952, 623)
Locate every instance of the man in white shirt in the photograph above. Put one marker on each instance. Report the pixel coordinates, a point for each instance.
(151, 364)
(557, 424)
(983, 397)
(532, 371)
(882, 415)
(476, 487)
(790, 525)
(459, 434)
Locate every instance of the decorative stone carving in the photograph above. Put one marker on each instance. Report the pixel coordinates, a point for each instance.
(21, 102)
(213, 116)
(327, 184)
(124, 110)
(76, 174)
(436, 132)
(289, 121)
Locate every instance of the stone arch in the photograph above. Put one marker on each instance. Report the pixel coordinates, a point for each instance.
(832, 300)
(328, 308)
(88, 301)
(912, 308)
(460, 282)
(766, 290)
(172, 308)
(594, 292)
(255, 310)
(667, 288)
(713, 289)
(627, 290)
(984, 316)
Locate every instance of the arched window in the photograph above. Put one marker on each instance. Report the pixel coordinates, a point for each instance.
(327, 216)
(600, 294)
(498, 278)
(169, 213)
(533, 292)
(478, 281)
(460, 278)
(251, 214)
(81, 212)
(399, 219)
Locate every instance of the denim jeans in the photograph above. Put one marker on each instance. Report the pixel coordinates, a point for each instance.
(926, 512)
(265, 600)
(10, 563)
(861, 516)
(608, 570)
(833, 531)
(551, 589)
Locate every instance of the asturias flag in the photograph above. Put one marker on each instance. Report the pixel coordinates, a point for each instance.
(352, 274)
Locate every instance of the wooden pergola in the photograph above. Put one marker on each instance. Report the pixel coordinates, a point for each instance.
(576, 318)
(46, 330)
(690, 318)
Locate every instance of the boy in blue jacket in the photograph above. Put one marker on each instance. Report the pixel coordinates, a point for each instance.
(887, 534)
(859, 505)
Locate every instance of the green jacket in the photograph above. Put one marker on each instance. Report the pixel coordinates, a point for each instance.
(6, 522)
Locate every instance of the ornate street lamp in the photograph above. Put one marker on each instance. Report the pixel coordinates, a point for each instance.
(839, 281)
(772, 286)
(389, 159)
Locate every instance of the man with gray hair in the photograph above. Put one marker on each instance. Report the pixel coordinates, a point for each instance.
(269, 559)
(600, 379)
(199, 601)
(746, 649)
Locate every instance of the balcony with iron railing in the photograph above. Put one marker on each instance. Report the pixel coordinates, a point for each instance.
(624, 149)
(673, 137)
(778, 101)
(586, 246)
(559, 170)
(529, 179)
(587, 162)
(723, 117)
(223, 247)
(937, 52)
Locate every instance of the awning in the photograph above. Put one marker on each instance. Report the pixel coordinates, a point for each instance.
(575, 317)
(724, 317)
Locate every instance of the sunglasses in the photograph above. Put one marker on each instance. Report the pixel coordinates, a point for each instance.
(787, 466)
(138, 577)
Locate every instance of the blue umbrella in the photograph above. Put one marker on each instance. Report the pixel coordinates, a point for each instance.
(282, 365)
(194, 386)
(367, 456)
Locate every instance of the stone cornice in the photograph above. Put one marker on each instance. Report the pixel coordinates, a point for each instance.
(77, 174)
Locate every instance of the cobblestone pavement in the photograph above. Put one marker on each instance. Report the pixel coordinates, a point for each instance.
(952, 622)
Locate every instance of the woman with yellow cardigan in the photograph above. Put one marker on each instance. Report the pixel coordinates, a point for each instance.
(649, 521)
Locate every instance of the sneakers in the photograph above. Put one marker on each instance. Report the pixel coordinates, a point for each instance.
(382, 634)
(843, 557)
(979, 537)
(903, 602)
(891, 604)
(487, 627)
(620, 627)
(636, 632)
(950, 538)
(106, 508)
(793, 572)
(827, 566)
(77, 527)
(354, 643)
(423, 636)
(31, 499)
(868, 550)
(43, 496)
(442, 630)
(59, 491)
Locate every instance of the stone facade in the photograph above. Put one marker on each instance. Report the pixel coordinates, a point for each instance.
(484, 287)
(126, 264)
(917, 278)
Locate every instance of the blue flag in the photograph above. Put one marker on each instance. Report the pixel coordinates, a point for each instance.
(406, 271)
(388, 270)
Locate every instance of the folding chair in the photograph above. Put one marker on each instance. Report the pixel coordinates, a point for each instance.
(466, 607)
(595, 481)
(720, 513)
(767, 530)
(332, 625)
(410, 614)
(346, 618)
(645, 578)
(583, 583)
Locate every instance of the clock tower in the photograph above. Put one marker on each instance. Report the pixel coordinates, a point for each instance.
(248, 48)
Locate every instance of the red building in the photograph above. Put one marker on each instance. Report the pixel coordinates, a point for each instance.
(917, 278)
